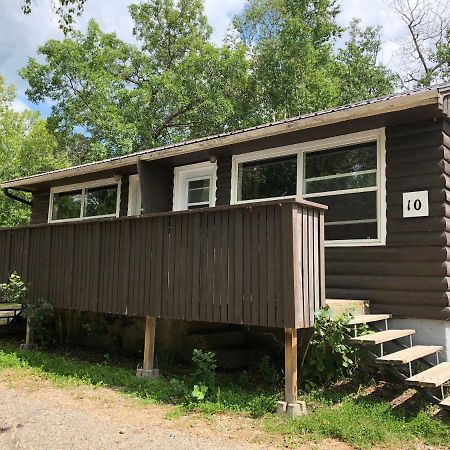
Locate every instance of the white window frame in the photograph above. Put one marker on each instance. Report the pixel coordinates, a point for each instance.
(134, 196)
(300, 149)
(192, 172)
(82, 187)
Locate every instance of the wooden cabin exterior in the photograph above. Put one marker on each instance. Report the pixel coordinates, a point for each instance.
(233, 226)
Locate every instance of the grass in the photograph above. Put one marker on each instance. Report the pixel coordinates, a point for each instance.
(363, 419)
(9, 306)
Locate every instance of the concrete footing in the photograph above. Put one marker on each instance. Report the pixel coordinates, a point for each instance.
(28, 346)
(291, 410)
(152, 374)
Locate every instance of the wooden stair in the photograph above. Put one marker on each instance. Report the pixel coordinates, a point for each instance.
(381, 337)
(426, 380)
(369, 318)
(409, 354)
(431, 378)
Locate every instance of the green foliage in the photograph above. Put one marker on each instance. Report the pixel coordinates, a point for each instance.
(14, 291)
(66, 10)
(204, 377)
(26, 147)
(263, 404)
(40, 317)
(111, 98)
(328, 356)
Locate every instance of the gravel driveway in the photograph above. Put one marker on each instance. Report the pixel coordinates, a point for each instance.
(48, 418)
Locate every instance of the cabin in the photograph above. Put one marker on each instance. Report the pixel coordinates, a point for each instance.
(254, 227)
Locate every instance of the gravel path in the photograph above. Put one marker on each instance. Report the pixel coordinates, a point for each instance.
(48, 418)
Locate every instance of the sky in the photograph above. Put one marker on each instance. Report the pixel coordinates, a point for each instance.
(20, 35)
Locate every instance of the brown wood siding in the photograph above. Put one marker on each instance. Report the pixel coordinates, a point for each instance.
(223, 185)
(39, 209)
(410, 275)
(156, 180)
(256, 264)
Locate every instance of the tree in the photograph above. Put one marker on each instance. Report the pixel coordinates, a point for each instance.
(426, 48)
(111, 98)
(26, 147)
(295, 65)
(66, 10)
(118, 97)
(361, 75)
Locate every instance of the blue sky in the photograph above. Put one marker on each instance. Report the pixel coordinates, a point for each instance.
(20, 35)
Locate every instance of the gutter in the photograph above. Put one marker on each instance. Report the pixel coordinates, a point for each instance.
(394, 103)
(8, 194)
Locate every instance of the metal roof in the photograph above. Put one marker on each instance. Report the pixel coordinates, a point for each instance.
(394, 102)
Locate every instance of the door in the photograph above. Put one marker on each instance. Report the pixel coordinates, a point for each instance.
(195, 186)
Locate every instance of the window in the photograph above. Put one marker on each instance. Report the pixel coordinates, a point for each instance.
(198, 193)
(346, 173)
(194, 186)
(274, 177)
(345, 179)
(94, 199)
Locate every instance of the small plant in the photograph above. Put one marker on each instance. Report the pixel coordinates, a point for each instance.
(204, 377)
(39, 316)
(14, 291)
(267, 372)
(328, 357)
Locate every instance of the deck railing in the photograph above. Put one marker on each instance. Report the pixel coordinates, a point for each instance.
(256, 264)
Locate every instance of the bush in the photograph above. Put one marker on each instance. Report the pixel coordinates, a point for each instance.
(40, 319)
(204, 377)
(14, 291)
(328, 356)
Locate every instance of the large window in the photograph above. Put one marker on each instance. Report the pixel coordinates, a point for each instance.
(345, 179)
(346, 173)
(83, 201)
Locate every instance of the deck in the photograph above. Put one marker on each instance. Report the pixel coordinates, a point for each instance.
(255, 264)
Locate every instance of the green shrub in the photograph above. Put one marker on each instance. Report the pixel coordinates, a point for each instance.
(328, 356)
(40, 317)
(204, 377)
(14, 291)
(267, 372)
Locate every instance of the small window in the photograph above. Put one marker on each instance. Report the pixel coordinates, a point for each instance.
(198, 193)
(268, 178)
(85, 201)
(67, 205)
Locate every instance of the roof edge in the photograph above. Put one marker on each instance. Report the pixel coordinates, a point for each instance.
(369, 108)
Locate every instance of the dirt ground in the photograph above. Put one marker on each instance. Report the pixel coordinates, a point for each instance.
(35, 415)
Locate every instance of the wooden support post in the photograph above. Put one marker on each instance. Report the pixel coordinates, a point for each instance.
(291, 407)
(29, 342)
(290, 365)
(149, 343)
(148, 369)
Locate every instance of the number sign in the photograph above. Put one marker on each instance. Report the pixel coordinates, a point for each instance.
(415, 204)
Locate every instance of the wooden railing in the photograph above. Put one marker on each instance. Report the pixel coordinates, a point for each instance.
(256, 264)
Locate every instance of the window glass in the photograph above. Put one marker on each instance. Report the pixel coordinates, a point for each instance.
(340, 169)
(198, 191)
(275, 177)
(66, 205)
(350, 216)
(100, 201)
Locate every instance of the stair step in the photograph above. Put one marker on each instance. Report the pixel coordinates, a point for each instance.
(431, 378)
(381, 337)
(368, 318)
(409, 354)
(445, 404)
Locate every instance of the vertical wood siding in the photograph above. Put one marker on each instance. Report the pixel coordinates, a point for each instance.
(257, 264)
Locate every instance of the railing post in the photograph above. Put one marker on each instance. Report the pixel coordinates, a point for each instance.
(148, 369)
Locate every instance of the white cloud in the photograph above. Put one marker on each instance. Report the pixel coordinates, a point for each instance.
(19, 106)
